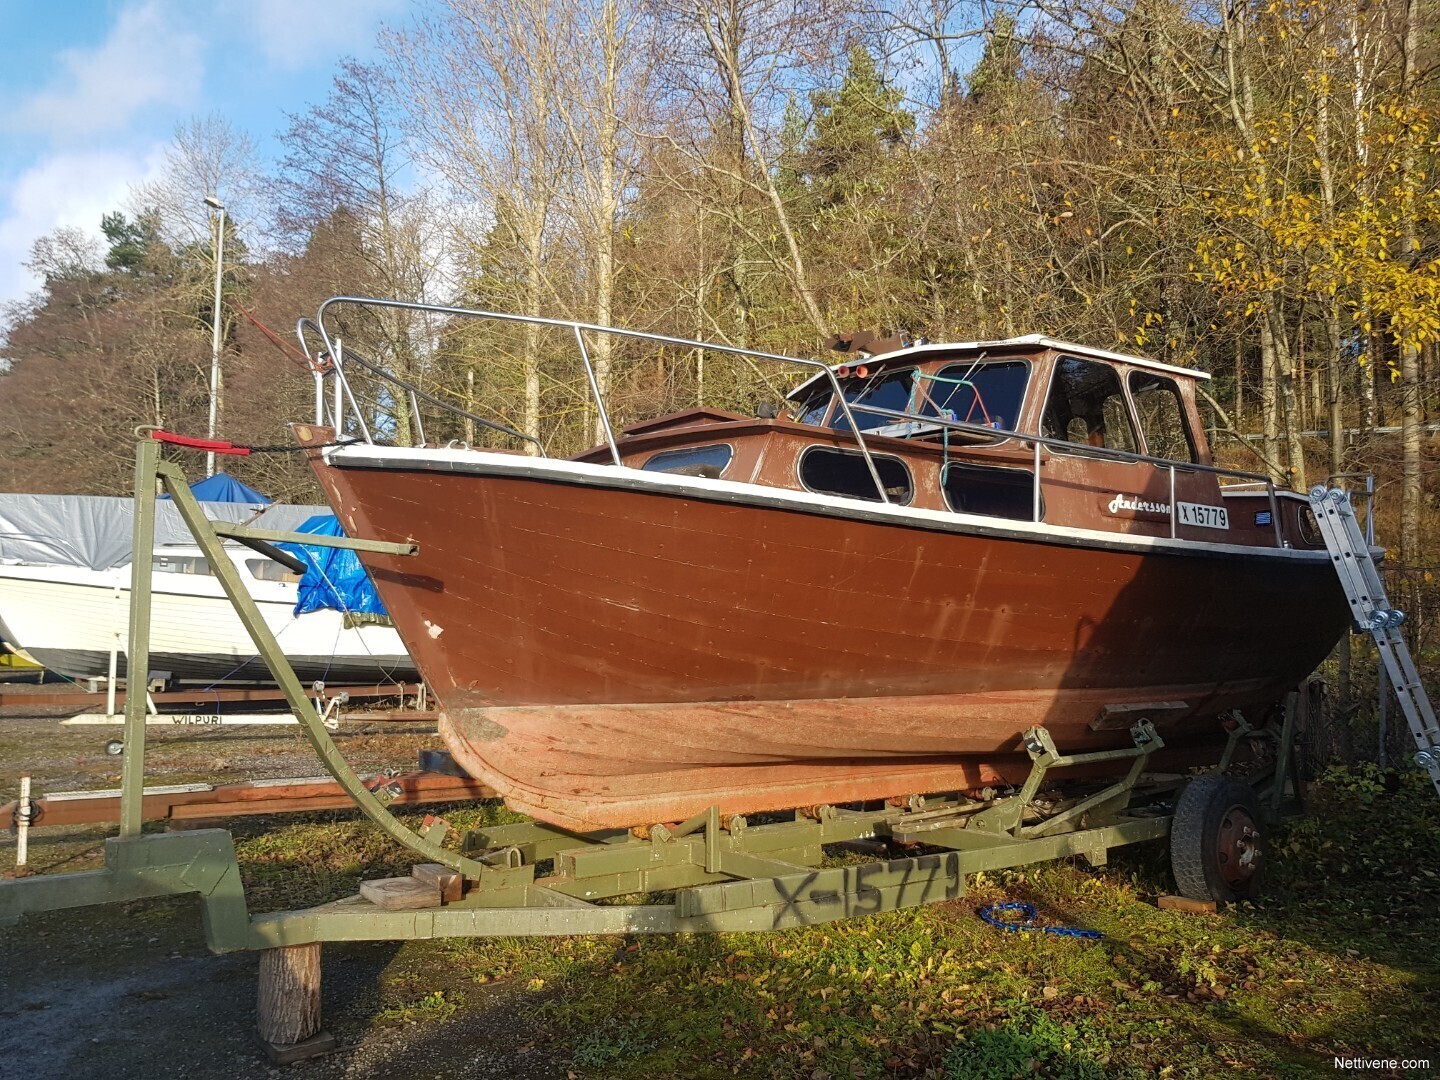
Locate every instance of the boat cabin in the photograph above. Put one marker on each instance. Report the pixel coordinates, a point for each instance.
(953, 428)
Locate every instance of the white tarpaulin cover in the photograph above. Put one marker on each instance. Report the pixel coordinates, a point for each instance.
(95, 530)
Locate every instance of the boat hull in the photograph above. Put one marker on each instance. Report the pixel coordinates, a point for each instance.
(69, 618)
(611, 651)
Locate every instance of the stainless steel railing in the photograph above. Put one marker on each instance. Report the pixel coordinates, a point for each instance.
(343, 393)
(335, 360)
(415, 395)
(1036, 441)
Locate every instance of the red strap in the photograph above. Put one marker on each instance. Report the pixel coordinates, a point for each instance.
(212, 445)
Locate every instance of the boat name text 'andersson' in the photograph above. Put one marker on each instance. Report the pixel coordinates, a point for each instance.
(1137, 505)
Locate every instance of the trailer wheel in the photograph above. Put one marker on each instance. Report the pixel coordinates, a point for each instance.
(1217, 846)
(114, 748)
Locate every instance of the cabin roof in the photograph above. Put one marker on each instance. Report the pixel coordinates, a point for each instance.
(922, 351)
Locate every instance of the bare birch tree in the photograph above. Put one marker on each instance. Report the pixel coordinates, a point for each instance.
(482, 83)
(206, 156)
(1411, 489)
(604, 104)
(348, 155)
(735, 62)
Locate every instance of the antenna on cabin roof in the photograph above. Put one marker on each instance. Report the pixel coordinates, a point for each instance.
(873, 342)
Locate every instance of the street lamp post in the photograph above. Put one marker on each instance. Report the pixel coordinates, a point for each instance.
(216, 205)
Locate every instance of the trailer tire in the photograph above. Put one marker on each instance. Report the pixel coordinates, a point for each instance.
(114, 748)
(1217, 845)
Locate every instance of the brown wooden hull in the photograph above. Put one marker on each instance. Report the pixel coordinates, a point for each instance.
(613, 656)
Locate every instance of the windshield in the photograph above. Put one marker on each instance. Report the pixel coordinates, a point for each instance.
(987, 394)
(814, 409)
(971, 393)
(890, 391)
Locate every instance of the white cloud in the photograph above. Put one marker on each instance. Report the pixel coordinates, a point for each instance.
(147, 59)
(293, 34)
(66, 189)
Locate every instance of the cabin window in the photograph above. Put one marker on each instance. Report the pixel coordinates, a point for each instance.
(889, 391)
(707, 461)
(1087, 406)
(270, 570)
(815, 408)
(180, 564)
(985, 394)
(1162, 417)
(994, 492)
(843, 472)
(1310, 528)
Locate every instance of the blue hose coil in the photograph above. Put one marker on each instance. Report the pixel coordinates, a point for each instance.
(1026, 921)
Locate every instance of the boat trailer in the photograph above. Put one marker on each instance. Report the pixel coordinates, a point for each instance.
(725, 872)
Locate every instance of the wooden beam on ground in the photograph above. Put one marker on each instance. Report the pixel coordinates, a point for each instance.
(199, 802)
(251, 693)
(1186, 904)
(392, 716)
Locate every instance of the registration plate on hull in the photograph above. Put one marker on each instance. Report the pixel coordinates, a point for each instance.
(1204, 516)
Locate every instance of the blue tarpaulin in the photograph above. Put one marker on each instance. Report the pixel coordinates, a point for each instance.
(222, 487)
(334, 577)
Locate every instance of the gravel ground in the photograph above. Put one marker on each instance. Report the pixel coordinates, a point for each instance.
(72, 758)
(130, 991)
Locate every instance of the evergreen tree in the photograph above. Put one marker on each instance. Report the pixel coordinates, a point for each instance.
(852, 190)
(858, 130)
(997, 76)
(132, 243)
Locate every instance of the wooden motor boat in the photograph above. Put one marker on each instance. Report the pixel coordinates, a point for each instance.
(757, 614)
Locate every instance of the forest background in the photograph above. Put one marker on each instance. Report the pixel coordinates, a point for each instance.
(1249, 188)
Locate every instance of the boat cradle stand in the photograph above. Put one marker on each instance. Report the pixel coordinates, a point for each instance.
(726, 873)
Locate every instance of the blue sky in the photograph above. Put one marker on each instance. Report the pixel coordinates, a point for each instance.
(91, 91)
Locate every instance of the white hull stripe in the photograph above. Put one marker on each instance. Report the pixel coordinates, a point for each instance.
(473, 462)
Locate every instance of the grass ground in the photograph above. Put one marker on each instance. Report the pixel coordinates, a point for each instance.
(1340, 959)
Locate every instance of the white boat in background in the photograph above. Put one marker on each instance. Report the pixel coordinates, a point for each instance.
(71, 618)
(16, 662)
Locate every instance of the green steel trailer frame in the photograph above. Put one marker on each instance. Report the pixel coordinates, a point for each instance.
(725, 872)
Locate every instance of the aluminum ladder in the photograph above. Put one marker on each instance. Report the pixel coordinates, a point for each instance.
(1373, 614)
